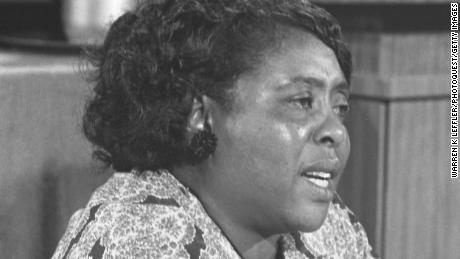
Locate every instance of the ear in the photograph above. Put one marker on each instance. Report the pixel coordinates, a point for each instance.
(200, 115)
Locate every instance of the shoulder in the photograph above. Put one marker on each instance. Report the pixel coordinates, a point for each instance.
(127, 224)
(133, 230)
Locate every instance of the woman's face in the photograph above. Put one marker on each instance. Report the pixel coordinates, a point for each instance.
(283, 146)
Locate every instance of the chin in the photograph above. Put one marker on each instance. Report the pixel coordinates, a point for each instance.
(311, 220)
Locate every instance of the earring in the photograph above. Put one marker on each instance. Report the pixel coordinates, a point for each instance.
(203, 144)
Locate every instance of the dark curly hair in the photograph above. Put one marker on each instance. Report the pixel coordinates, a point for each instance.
(156, 58)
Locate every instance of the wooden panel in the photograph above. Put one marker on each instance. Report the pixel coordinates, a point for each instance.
(396, 65)
(400, 53)
(401, 87)
(414, 53)
(422, 213)
(40, 147)
(365, 50)
(381, 1)
(25, 1)
(418, 216)
(361, 186)
(408, 53)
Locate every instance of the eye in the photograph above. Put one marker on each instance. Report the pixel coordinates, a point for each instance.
(342, 110)
(303, 103)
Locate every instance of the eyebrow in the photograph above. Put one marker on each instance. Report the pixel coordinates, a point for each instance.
(344, 86)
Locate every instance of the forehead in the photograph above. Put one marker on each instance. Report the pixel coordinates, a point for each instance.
(300, 55)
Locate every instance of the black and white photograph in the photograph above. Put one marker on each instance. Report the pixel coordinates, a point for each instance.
(229, 129)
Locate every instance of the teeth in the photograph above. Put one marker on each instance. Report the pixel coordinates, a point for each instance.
(318, 182)
(323, 175)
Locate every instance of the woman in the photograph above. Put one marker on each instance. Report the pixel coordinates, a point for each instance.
(224, 123)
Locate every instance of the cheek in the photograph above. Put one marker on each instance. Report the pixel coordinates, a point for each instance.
(264, 138)
(302, 132)
(263, 144)
(283, 132)
(344, 149)
(343, 152)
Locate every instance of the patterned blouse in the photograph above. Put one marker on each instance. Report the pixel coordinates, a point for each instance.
(152, 215)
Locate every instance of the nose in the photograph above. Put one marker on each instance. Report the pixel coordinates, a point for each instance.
(331, 132)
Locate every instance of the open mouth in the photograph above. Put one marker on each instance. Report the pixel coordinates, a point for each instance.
(320, 179)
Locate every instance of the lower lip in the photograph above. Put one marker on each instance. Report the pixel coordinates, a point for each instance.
(324, 194)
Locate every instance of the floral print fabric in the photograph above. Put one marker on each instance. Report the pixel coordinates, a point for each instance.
(152, 215)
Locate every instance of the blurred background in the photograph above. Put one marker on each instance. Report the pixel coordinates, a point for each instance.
(397, 180)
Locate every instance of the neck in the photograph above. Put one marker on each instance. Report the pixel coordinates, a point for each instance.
(247, 241)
